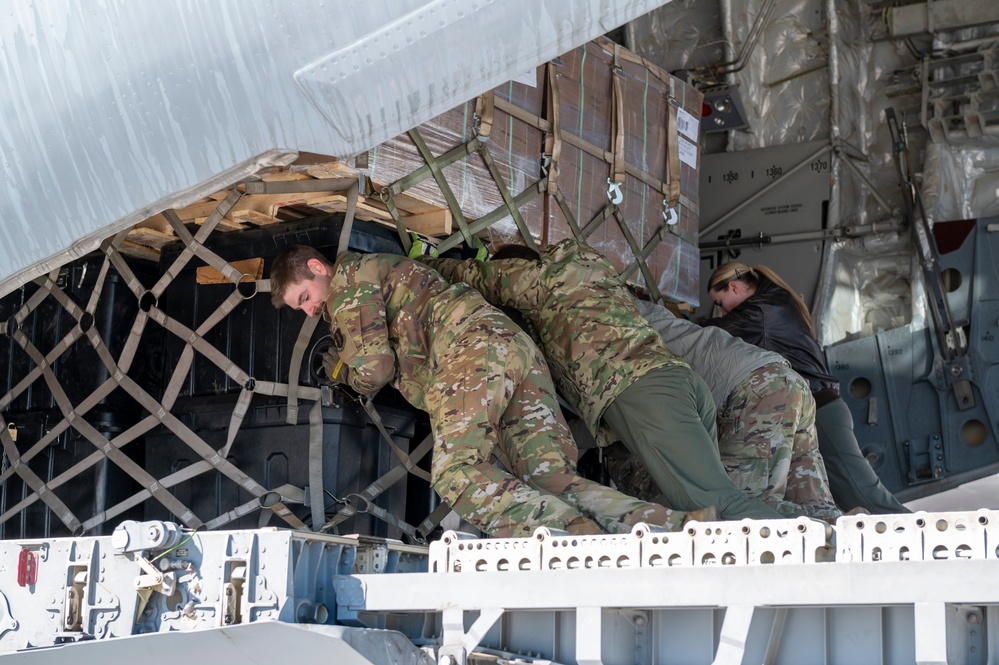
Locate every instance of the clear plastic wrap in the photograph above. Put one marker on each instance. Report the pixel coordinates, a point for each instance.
(584, 80)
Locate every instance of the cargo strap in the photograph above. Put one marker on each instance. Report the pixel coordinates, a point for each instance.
(407, 462)
(159, 410)
(511, 207)
(437, 170)
(194, 470)
(418, 534)
(583, 145)
(315, 413)
(637, 251)
(294, 371)
(671, 183)
(388, 198)
(89, 432)
(382, 483)
(195, 243)
(272, 501)
(309, 326)
(285, 494)
(362, 505)
(433, 520)
(295, 366)
(553, 135)
(484, 115)
(316, 462)
(36, 484)
(348, 219)
(617, 176)
(567, 214)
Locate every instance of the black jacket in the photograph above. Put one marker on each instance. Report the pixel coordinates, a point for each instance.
(770, 320)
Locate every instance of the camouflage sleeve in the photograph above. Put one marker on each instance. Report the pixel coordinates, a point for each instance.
(360, 333)
(506, 282)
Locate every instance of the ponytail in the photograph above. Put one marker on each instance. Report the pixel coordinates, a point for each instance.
(733, 270)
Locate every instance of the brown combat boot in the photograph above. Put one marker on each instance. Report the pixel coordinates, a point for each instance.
(583, 526)
(709, 514)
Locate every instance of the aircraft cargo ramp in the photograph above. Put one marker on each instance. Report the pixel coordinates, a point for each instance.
(914, 588)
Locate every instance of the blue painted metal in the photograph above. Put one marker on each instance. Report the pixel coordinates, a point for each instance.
(905, 415)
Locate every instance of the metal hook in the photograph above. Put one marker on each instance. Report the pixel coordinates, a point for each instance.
(614, 192)
(546, 161)
(669, 214)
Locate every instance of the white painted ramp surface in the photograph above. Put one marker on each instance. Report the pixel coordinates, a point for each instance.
(981, 493)
(261, 643)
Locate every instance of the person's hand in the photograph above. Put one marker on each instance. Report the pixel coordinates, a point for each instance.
(334, 367)
(477, 246)
(421, 246)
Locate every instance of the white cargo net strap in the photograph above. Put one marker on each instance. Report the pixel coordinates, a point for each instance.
(158, 410)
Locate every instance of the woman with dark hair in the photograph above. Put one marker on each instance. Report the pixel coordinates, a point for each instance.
(760, 307)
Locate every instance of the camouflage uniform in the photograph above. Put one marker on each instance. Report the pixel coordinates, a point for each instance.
(608, 362)
(485, 385)
(766, 424)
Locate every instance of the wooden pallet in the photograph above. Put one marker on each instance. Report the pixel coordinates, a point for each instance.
(256, 210)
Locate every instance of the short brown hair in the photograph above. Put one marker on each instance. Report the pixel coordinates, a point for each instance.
(291, 266)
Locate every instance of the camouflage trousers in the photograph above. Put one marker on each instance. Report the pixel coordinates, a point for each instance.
(493, 391)
(768, 445)
(667, 420)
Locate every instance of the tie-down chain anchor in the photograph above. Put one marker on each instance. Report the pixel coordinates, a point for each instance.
(133, 539)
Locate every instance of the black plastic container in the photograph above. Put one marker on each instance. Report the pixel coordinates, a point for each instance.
(86, 493)
(33, 413)
(274, 454)
(78, 369)
(255, 336)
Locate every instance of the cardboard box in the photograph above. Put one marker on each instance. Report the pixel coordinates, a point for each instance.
(570, 101)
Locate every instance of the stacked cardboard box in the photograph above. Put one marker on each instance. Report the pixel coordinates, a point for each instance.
(534, 157)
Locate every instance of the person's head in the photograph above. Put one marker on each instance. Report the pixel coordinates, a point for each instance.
(515, 252)
(300, 279)
(732, 283)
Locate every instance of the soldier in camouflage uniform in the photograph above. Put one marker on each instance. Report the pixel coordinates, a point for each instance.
(481, 379)
(766, 424)
(614, 369)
